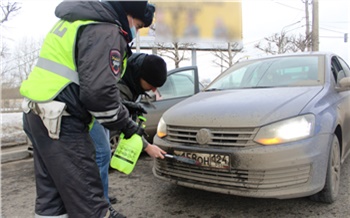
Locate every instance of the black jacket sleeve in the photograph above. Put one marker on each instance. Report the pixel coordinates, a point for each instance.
(100, 52)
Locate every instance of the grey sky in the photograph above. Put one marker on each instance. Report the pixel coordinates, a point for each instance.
(261, 18)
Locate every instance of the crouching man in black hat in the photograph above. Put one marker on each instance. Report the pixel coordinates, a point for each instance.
(145, 72)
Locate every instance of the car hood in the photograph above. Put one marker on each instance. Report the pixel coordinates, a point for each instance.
(240, 108)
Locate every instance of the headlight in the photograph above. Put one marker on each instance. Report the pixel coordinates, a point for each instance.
(290, 130)
(161, 129)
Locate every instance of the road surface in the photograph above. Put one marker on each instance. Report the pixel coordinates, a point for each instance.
(141, 195)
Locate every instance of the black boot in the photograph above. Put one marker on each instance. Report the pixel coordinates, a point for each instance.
(114, 213)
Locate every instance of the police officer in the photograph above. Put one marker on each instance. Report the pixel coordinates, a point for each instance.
(100, 135)
(74, 82)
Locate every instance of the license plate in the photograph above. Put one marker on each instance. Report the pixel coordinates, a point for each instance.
(208, 160)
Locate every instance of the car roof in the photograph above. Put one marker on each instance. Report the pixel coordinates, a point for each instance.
(311, 53)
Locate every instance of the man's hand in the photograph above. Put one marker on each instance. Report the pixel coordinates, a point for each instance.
(132, 128)
(154, 151)
(134, 108)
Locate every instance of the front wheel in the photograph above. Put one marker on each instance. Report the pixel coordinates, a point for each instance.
(330, 190)
(113, 141)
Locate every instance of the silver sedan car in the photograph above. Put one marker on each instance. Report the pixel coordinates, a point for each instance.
(274, 127)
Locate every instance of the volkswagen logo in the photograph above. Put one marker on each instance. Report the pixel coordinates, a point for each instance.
(203, 136)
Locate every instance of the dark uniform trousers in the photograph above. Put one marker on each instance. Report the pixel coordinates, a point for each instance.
(67, 177)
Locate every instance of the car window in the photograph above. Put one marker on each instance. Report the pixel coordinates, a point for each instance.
(232, 80)
(179, 84)
(284, 71)
(335, 70)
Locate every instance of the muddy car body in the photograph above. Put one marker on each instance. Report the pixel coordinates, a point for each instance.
(273, 127)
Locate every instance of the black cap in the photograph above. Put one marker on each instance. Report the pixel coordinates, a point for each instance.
(154, 70)
(136, 9)
(149, 13)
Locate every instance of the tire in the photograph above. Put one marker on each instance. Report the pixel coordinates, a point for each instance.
(330, 190)
(113, 140)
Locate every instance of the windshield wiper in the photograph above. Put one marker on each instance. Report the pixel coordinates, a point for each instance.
(260, 87)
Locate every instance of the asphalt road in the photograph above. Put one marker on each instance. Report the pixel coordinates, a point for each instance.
(141, 195)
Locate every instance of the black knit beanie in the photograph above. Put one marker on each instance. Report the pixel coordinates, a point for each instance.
(153, 70)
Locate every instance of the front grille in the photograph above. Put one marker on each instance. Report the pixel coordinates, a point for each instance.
(219, 137)
(233, 179)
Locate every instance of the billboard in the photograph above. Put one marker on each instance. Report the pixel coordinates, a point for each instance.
(196, 22)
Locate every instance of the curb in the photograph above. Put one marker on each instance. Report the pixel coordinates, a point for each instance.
(15, 153)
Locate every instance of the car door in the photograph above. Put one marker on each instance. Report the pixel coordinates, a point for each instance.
(181, 83)
(342, 70)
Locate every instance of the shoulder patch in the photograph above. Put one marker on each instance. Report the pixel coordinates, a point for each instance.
(115, 61)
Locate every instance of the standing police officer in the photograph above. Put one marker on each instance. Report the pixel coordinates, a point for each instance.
(81, 59)
(99, 134)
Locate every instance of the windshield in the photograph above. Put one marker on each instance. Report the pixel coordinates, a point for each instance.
(273, 72)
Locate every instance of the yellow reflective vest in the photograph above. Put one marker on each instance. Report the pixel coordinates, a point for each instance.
(56, 66)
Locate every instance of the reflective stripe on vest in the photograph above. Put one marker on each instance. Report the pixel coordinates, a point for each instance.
(58, 69)
(56, 66)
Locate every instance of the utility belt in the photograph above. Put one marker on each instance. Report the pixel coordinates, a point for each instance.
(51, 114)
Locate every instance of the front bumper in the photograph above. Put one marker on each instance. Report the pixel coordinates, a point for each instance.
(282, 171)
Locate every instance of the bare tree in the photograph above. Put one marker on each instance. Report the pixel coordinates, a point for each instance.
(8, 9)
(174, 51)
(282, 42)
(225, 57)
(278, 43)
(24, 58)
(301, 42)
(4, 50)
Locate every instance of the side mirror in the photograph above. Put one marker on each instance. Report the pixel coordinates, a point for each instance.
(343, 84)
